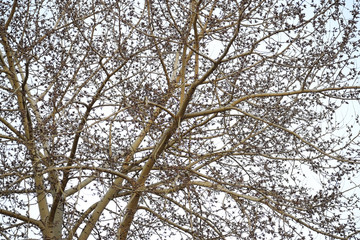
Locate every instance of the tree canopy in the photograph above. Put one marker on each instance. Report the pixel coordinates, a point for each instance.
(196, 119)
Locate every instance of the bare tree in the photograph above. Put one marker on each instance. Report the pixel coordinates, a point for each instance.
(198, 119)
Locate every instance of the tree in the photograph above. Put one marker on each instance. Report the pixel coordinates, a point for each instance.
(193, 119)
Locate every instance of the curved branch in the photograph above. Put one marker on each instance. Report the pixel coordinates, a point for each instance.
(81, 220)
(11, 15)
(9, 126)
(294, 134)
(22, 218)
(99, 169)
(167, 220)
(264, 95)
(298, 220)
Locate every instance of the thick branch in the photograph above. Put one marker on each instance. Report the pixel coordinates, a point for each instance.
(22, 218)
